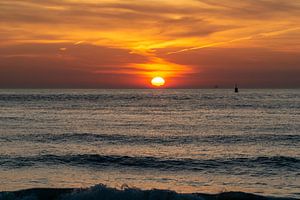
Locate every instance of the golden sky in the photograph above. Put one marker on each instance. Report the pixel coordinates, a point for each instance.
(124, 43)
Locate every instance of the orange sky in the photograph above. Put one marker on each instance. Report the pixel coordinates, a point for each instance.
(124, 43)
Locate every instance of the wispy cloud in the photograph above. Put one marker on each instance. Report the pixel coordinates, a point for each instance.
(130, 35)
(258, 35)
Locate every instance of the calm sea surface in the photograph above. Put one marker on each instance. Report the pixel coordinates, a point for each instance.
(184, 140)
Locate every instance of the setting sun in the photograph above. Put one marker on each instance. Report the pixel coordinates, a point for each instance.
(158, 81)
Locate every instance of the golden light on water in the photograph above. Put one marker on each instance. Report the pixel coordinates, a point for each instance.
(158, 81)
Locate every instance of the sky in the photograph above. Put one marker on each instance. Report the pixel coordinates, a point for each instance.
(125, 43)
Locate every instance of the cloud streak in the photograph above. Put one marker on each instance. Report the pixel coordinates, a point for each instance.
(134, 40)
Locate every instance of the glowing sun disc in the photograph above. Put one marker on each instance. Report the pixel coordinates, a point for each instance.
(158, 81)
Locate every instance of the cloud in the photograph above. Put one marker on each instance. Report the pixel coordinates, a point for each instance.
(255, 9)
(149, 18)
(127, 39)
(45, 65)
(251, 67)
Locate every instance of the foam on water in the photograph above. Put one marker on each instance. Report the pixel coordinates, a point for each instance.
(186, 140)
(104, 193)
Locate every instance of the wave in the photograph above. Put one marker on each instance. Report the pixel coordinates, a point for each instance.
(258, 164)
(95, 97)
(146, 140)
(105, 193)
(148, 98)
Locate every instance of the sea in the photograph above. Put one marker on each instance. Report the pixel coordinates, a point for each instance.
(150, 142)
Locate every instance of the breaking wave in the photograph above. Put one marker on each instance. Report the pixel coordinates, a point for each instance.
(105, 193)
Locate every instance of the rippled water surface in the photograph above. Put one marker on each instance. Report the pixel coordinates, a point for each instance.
(185, 140)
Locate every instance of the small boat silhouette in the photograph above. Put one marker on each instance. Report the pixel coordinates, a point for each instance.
(236, 89)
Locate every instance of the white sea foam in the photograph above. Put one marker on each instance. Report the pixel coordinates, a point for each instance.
(102, 192)
(193, 140)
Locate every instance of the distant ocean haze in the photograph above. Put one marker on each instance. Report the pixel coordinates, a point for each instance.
(189, 141)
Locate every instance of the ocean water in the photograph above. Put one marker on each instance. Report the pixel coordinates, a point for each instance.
(187, 141)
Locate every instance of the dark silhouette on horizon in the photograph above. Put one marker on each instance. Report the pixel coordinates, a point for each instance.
(236, 89)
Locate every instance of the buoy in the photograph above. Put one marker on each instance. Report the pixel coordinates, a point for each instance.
(236, 89)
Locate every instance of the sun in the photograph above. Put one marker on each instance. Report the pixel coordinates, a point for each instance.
(158, 81)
